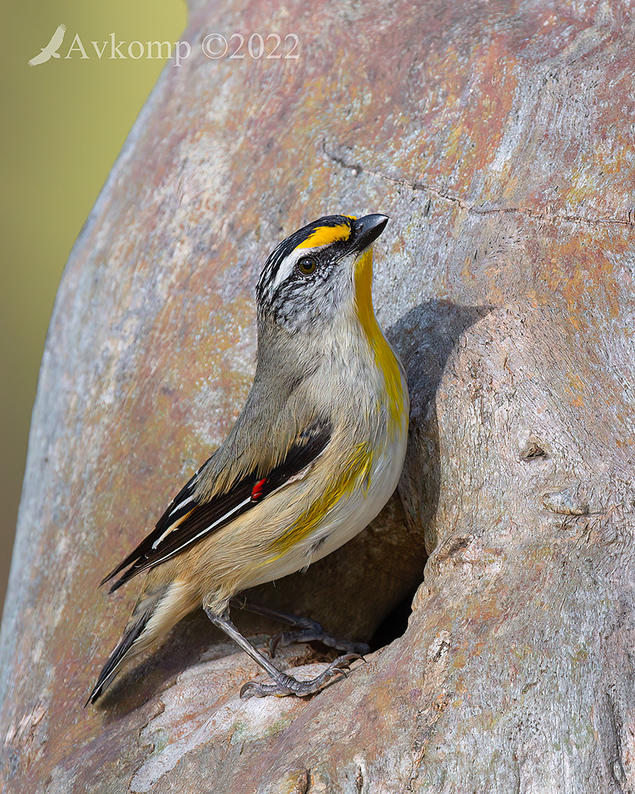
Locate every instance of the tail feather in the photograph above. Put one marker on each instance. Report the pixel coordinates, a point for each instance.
(108, 671)
(157, 610)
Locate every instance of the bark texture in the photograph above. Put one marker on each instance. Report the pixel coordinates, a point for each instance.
(498, 137)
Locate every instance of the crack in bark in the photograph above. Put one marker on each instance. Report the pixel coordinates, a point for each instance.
(546, 215)
(616, 767)
(359, 780)
(303, 784)
(432, 715)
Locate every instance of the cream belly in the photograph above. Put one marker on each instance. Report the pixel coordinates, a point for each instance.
(351, 515)
(348, 517)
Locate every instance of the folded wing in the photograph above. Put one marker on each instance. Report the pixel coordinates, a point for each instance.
(188, 519)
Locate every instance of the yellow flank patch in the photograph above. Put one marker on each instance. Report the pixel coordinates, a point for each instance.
(325, 235)
(384, 357)
(356, 468)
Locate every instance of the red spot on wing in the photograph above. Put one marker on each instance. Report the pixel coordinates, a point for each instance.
(256, 491)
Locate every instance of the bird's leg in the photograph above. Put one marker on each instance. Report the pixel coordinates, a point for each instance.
(302, 630)
(282, 684)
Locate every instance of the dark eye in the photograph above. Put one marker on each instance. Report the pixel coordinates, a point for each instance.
(307, 265)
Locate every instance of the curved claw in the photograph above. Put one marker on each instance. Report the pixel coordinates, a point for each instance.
(274, 642)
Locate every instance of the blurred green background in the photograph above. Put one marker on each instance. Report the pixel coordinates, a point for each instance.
(64, 123)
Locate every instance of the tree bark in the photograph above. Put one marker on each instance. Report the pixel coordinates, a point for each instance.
(498, 138)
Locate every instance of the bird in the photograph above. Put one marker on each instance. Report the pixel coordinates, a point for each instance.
(314, 455)
(51, 49)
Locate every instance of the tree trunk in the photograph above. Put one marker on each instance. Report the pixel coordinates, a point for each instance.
(498, 137)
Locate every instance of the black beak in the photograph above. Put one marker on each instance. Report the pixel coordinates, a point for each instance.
(367, 229)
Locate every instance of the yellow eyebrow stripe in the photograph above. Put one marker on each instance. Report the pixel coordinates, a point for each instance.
(325, 235)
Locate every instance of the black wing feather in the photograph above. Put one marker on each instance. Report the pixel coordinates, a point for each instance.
(166, 520)
(199, 519)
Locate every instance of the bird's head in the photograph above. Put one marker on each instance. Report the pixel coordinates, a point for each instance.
(319, 272)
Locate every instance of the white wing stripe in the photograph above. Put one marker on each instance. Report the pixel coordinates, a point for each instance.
(224, 517)
(182, 504)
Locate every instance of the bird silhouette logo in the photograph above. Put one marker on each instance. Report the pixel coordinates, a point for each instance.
(51, 49)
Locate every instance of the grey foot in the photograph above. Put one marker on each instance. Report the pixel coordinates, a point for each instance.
(300, 630)
(284, 684)
(311, 631)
